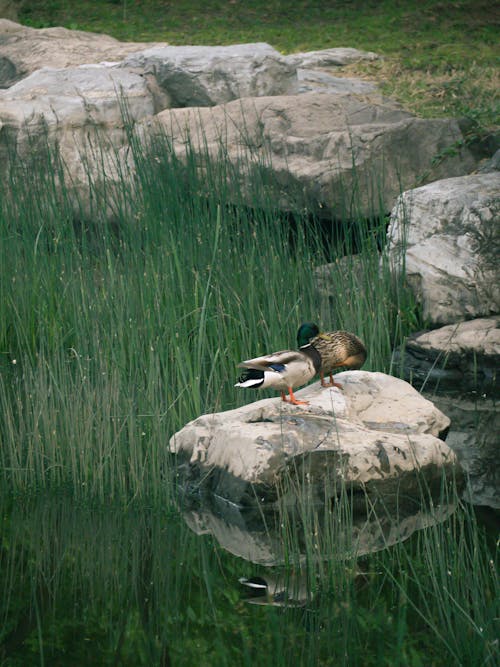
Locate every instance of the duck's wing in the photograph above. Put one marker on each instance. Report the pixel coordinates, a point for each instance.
(338, 348)
(276, 361)
(331, 336)
(352, 343)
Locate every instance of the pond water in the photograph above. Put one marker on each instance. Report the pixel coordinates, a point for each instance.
(171, 585)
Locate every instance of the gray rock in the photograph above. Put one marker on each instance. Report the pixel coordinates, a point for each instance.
(75, 96)
(8, 72)
(458, 358)
(25, 50)
(378, 435)
(322, 149)
(490, 165)
(449, 233)
(459, 363)
(80, 108)
(335, 57)
(309, 80)
(193, 76)
(476, 338)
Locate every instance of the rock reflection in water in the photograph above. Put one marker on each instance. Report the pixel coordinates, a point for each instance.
(267, 538)
(474, 437)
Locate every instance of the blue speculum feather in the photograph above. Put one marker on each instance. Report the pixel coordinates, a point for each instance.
(277, 367)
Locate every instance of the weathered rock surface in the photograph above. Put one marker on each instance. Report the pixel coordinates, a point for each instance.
(74, 97)
(459, 363)
(315, 72)
(458, 358)
(25, 50)
(330, 57)
(377, 435)
(321, 148)
(310, 80)
(474, 437)
(450, 233)
(81, 109)
(193, 76)
(491, 165)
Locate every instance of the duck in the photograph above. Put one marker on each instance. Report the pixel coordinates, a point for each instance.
(337, 349)
(279, 591)
(284, 370)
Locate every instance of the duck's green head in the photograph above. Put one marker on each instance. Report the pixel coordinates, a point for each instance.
(306, 331)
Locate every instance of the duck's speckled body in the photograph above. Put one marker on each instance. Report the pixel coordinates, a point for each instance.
(282, 370)
(337, 349)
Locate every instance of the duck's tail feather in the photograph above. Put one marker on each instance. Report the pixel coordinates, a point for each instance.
(251, 378)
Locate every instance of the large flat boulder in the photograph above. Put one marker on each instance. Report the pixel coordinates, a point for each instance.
(327, 144)
(321, 150)
(449, 234)
(72, 97)
(81, 110)
(315, 81)
(459, 363)
(327, 58)
(25, 50)
(315, 71)
(193, 76)
(378, 435)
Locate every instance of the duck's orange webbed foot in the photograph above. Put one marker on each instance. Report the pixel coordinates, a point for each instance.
(331, 383)
(292, 399)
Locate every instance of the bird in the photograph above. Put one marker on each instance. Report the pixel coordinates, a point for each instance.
(282, 370)
(280, 591)
(337, 349)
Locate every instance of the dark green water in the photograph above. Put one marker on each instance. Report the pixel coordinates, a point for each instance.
(83, 585)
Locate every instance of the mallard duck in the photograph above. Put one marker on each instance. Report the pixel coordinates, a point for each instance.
(282, 370)
(289, 591)
(337, 349)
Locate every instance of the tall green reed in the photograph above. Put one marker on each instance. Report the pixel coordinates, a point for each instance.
(124, 315)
